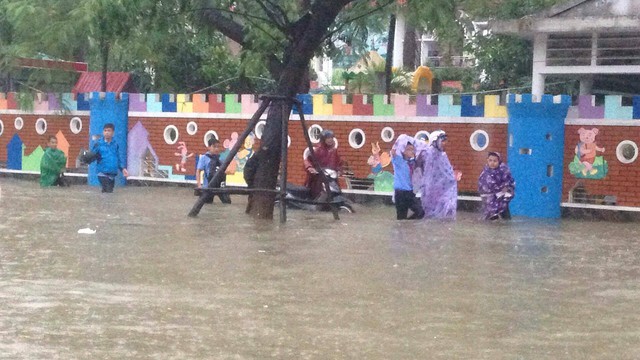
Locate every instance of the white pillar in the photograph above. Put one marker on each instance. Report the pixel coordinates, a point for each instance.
(539, 65)
(586, 85)
(398, 45)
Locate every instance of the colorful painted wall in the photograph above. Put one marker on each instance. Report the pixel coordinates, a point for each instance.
(167, 133)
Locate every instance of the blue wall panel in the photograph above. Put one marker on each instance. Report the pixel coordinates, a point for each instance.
(536, 153)
(109, 110)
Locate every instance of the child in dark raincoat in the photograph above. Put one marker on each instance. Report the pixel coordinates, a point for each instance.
(496, 188)
(52, 165)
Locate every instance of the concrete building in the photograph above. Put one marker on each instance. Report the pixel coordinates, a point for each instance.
(589, 40)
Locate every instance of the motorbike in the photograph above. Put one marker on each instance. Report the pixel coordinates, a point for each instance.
(300, 196)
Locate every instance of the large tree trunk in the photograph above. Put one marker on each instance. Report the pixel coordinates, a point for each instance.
(104, 54)
(307, 33)
(410, 48)
(389, 62)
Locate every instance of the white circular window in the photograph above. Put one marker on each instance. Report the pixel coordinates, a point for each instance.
(171, 134)
(75, 125)
(627, 152)
(314, 133)
(192, 128)
(479, 140)
(18, 123)
(422, 135)
(305, 154)
(357, 138)
(288, 141)
(41, 126)
(208, 136)
(387, 134)
(1, 127)
(259, 129)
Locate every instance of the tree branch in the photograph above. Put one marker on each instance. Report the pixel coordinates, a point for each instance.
(280, 10)
(348, 21)
(224, 24)
(281, 23)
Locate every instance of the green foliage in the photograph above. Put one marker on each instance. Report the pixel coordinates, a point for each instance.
(506, 61)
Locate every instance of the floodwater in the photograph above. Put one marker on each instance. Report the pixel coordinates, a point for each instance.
(152, 283)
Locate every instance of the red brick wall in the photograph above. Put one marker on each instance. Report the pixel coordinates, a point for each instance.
(622, 180)
(462, 156)
(32, 140)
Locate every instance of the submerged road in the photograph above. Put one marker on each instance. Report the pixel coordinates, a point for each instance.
(152, 283)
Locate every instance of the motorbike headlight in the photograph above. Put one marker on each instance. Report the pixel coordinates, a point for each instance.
(331, 173)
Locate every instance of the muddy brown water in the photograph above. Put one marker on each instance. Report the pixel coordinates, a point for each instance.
(154, 284)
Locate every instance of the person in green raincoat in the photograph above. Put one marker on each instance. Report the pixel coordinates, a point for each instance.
(52, 165)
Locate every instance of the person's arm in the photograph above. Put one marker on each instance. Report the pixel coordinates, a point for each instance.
(308, 165)
(121, 163)
(61, 161)
(200, 171)
(340, 163)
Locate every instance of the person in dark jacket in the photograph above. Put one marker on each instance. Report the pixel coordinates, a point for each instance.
(109, 162)
(326, 153)
(207, 166)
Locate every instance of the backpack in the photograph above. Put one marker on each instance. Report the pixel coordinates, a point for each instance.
(214, 164)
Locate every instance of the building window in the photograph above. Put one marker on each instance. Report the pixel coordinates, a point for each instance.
(423, 136)
(1, 127)
(208, 136)
(259, 129)
(314, 133)
(387, 134)
(18, 123)
(75, 125)
(41, 126)
(171, 134)
(479, 140)
(192, 128)
(627, 151)
(357, 138)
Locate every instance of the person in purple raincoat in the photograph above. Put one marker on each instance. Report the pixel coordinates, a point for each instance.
(438, 182)
(496, 188)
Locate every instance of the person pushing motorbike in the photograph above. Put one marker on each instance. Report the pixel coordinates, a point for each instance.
(326, 153)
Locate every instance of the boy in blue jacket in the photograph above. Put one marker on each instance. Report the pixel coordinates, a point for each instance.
(109, 162)
(403, 161)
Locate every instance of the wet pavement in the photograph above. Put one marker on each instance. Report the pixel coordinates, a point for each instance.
(154, 284)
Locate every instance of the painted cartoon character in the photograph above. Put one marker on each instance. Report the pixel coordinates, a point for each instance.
(183, 152)
(382, 180)
(228, 144)
(587, 149)
(245, 152)
(378, 161)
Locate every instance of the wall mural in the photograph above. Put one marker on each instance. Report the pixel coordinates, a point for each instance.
(236, 167)
(184, 155)
(586, 163)
(382, 179)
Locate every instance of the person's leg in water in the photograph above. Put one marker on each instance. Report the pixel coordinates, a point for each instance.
(61, 181)
(402, 205)
(225, 198)
(506, 214)
(416, 208)
(107, 182)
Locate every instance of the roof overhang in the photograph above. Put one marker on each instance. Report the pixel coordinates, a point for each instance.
(527, 27)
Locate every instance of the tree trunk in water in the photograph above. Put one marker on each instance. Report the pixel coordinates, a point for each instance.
(307, 35)
(389, 61)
